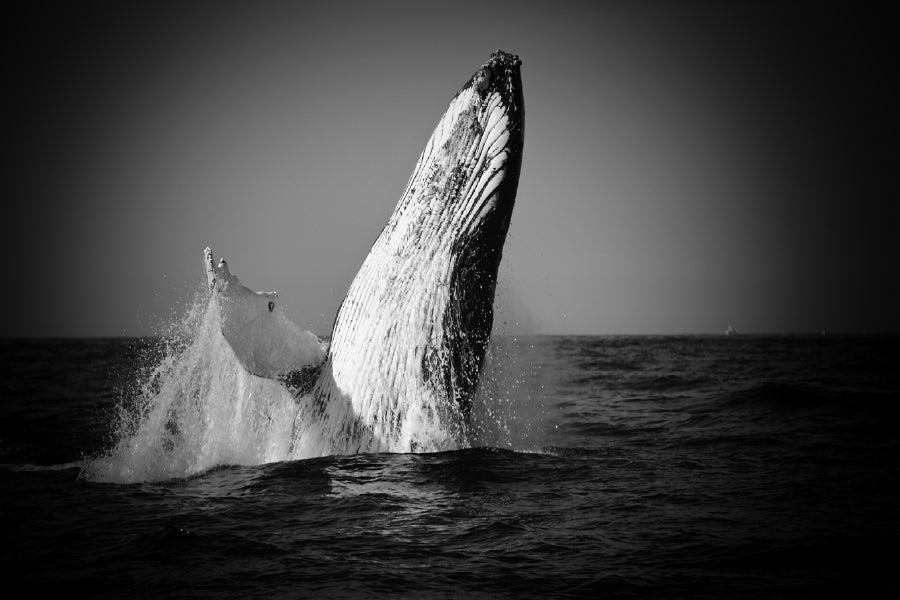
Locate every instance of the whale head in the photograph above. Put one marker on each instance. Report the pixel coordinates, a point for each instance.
(472, 174)
(410, 338)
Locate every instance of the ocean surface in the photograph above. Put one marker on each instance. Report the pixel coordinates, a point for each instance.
(615, 467)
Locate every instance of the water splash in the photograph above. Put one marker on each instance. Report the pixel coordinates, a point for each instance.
(504, 412)
(198, 407)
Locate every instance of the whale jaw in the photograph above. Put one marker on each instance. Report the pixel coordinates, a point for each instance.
(410, 338)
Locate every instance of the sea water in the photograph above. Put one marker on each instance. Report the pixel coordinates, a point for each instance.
(197, 406)
(624, 467)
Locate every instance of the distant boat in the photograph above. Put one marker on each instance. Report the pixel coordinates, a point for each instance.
(730, 330)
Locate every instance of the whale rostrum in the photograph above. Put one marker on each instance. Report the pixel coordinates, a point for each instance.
(410, 338)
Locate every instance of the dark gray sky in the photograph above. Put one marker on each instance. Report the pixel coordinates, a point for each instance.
(685, 168)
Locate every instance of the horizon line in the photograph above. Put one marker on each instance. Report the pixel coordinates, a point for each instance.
(820, 333)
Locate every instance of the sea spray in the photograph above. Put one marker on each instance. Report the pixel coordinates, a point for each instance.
(196, 409)
(196, 406)
(503, 413)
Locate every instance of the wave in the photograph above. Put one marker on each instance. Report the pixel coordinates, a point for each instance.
(786, 396)
(27, 467)
(777, 394)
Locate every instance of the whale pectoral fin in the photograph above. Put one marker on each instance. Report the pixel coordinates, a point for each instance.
(210, 268)
(264, 340)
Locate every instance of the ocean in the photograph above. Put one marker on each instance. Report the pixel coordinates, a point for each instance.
(616, 466)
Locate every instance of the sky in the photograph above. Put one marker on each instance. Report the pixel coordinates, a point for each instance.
(685, 168)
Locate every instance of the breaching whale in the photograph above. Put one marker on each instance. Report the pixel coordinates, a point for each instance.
(409, 340)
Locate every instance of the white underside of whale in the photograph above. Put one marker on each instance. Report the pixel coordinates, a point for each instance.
(265, 341)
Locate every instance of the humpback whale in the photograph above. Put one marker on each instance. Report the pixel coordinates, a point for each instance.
(409, 340)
